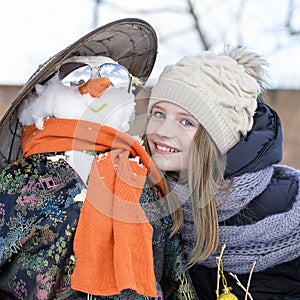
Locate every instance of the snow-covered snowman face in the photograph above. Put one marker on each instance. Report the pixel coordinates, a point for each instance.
(59, 98)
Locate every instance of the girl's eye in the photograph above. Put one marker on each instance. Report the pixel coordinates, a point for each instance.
(159, 115)
(186, 123)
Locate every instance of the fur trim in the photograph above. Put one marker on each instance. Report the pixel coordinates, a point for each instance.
(254, 64)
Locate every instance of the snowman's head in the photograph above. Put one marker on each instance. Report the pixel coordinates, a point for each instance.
(91, 88)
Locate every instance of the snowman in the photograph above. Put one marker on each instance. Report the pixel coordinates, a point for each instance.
(82, 210)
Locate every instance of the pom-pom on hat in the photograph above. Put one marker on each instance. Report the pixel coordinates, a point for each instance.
(131, 42)
(220, 91)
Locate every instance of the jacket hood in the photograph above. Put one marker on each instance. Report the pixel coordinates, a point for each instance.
(261, 147)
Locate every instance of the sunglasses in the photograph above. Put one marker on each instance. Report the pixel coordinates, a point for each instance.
(75, 74)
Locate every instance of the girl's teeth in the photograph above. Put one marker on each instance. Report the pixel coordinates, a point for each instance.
(162, 148)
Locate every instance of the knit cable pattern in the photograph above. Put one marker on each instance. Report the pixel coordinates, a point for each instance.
(244, 189)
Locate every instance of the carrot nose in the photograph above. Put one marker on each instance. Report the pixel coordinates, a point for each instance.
(95, 87)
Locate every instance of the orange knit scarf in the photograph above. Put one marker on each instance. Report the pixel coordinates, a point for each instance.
(113, 240)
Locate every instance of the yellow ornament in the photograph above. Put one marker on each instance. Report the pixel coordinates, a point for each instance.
(226, 295)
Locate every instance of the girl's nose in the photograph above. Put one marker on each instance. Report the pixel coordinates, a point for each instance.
(95, 87)
(166, 129)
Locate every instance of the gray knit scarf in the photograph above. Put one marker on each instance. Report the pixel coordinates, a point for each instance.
(270, 241)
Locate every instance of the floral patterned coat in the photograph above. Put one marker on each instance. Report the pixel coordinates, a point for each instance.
(40, 202)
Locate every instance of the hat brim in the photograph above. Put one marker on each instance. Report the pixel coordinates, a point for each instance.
(131, 42)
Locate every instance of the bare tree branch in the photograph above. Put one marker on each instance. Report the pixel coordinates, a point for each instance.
(196, 18)
(289, 19)
(95, 21)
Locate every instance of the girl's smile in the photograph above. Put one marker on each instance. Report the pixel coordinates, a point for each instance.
(164, 149)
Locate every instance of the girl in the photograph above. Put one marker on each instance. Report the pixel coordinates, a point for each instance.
(218, 144)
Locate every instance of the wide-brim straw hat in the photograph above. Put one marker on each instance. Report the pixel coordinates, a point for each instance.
(131, 42)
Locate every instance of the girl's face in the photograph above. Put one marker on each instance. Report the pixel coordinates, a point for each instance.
(170, 133)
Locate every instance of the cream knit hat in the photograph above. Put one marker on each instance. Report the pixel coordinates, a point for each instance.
(218, 90)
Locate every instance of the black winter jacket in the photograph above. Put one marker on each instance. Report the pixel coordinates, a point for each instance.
(262, 147)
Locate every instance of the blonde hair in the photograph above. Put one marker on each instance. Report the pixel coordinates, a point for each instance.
(205, 178)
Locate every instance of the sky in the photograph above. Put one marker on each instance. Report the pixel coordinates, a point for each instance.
(31, 31)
